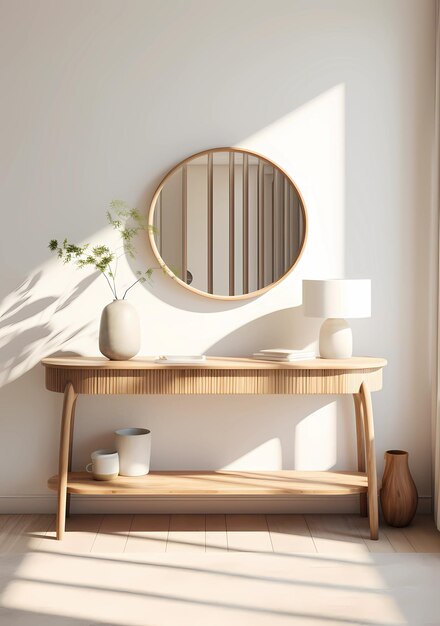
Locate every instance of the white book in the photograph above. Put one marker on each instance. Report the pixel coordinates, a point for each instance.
(284, 359)
(177, 358)
(284, 352)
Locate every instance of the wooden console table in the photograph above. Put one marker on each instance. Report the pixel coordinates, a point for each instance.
(357, 376)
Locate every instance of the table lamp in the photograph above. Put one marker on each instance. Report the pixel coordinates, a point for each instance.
(336, 300)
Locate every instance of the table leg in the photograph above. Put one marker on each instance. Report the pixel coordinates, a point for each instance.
(63, 464)
(373, 512)
(360, 448)
(69, 466)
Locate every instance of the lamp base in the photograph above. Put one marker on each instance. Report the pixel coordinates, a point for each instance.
(335, 339)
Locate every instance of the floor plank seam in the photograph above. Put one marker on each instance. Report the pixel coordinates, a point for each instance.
(409, 540)
(168, 533)
(128, 533)
(227, 538)
(97, 533)
(311, 534)
(268, 531)
(357, 532)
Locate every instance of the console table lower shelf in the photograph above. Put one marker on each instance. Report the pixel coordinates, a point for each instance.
(221, 483)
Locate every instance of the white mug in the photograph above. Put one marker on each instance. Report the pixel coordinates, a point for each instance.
(104, 465)
(134, 448)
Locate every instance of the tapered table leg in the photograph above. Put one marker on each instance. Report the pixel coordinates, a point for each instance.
(69, 466)
(373, 512)
(63, 464)
(360, 449)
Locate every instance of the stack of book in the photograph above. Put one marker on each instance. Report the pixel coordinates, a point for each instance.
(178, 359)
(284, 355)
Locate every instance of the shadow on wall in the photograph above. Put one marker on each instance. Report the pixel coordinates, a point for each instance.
(32, 325)
(279, 329)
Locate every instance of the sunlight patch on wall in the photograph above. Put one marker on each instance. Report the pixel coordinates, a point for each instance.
(267, 456)
(309, 143)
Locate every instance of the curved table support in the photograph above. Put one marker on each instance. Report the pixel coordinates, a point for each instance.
(360, 448)
(69, 469)
(373, 510)
(65, 450)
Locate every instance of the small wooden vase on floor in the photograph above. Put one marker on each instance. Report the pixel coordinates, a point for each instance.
(398, 495)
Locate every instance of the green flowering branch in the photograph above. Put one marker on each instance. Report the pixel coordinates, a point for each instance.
(128, 222)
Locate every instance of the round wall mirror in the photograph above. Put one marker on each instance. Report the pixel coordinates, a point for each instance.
(227, 223)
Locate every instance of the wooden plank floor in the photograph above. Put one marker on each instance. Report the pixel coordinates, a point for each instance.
(280, 534)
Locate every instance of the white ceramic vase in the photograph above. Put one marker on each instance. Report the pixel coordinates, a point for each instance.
(120, 331)
(134, 449)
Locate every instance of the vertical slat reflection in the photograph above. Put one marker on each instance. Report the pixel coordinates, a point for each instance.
(261, 224)
(287, 233)
(158, 223)
(231, 223)
(210, 225)
(300, 223)
(286, 225)
(245, 223)
(274, 180)
(283, 227)
(296, 233)
(292, 224)
(184, 223)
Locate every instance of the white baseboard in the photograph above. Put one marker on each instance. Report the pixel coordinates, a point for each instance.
(201, 504)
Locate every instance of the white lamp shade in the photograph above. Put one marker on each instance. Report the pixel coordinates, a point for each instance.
(338, 298)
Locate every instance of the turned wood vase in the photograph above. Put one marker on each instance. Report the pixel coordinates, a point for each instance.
(398, 495)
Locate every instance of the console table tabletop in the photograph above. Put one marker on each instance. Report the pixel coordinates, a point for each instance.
(217, 362)
(358, 376)
(217, 375)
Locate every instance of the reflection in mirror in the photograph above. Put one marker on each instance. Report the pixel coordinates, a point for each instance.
(229, 221)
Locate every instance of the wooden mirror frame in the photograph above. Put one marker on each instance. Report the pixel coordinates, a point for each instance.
(168, 271)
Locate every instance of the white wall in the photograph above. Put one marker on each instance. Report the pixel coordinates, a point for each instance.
(100, 99)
